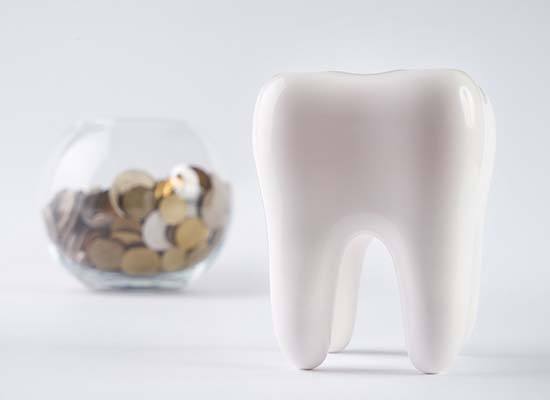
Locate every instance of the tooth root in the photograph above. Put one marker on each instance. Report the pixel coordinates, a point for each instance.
(485, 181)
(345, 302)
(434, 278)
(474, 285)
(303, 280)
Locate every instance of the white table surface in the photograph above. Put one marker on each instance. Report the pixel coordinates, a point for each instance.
(59, 340)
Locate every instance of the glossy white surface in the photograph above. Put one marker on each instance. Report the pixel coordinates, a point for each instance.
(404, 157)
(217, 341)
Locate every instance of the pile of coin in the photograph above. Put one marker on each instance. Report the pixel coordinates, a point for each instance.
(141, 226)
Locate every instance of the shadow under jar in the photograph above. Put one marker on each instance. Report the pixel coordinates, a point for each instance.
(134, 203)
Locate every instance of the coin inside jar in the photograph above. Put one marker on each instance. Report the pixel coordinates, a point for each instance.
(204, 179)
(97, 210)
(163, 189)
(140, 261)
(105, 254)
(126, 181)
(173, 259)
(125, 224)
(126, 237)
(190, 233)
(186, 183)
(140, 226)
(51, 228)
(74, 245)
(173, 209)
(91, 235)
(215, 205)
(62, 204)
(198, 253)
(137, 202)
(192, 209)
(155, 233)
(66, 208)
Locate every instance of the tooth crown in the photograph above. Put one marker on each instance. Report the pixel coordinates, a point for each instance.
(404, 157)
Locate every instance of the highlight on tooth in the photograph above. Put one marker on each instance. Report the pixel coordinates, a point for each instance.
(405, 157)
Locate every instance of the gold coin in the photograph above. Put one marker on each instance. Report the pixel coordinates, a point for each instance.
(140, 261)
(173, 259)
(215, 205)
(105, 254)
(204, 179)
(190, 233)
(197, 254)
(126, 237)
(172, 209)
(126, 181)
(163, 189)
(91, 235)
(138, 202)
(125, 224)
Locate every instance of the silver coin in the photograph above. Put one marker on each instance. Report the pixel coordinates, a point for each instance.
(74, 245)
(192, 210)
(186, 182)
(63, 205)
(154, 232)
(66, 212)
(51, 227)
(215, 205)
(97, 211)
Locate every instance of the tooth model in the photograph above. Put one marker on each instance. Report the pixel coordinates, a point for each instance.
(404, 157)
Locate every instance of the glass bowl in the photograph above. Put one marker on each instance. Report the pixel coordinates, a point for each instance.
(134, 203)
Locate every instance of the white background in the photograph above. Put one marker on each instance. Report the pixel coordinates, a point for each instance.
(205, 62)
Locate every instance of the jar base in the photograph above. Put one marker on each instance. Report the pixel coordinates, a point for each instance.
(105, 280)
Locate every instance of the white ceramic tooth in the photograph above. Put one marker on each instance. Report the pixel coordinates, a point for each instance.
(405, 157)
